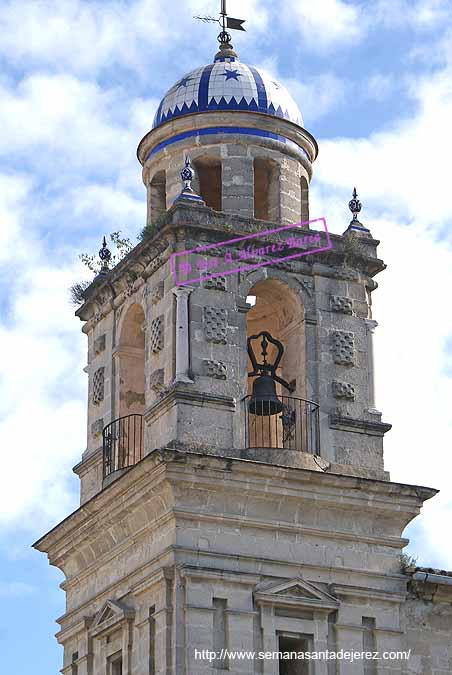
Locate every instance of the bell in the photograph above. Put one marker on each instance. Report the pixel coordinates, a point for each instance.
(264, 400)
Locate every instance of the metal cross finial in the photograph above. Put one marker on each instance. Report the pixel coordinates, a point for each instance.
(355, 206)
(105, 256)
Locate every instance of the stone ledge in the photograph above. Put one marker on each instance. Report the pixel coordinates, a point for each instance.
(181, 393)
(370, 427)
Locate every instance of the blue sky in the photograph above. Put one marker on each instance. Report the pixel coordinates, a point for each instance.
(79, 84)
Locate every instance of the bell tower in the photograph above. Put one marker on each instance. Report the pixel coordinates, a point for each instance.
(233, 491)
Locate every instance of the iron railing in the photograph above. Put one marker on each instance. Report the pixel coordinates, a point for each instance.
(122, 443)
(295, 427)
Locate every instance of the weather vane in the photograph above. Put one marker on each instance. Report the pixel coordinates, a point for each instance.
(224, 21)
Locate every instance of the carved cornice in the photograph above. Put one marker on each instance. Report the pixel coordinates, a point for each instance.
(370, 427)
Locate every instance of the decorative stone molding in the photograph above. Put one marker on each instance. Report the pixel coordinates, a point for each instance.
(99, 344)
(98, 385)
(216, 284)
(369, 427)
(157, 293)
(129, 290)
(112, 616)
(156, 379)
(216, 369)
(118, 314)
(97, 427)
(343, 390)
(343, 347)
(308, 285)
(340, 303)
(214, 319)
(156, 335)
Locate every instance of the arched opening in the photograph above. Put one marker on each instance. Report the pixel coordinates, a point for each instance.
(304, 196)
(266, 189)
(208, 180)
(278, 310)
(157, 195)
(131, 362)
(123, 438)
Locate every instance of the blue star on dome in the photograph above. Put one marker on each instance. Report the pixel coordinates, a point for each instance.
(183, 82)
(232, 75)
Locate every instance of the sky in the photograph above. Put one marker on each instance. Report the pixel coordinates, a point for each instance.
(79, 85)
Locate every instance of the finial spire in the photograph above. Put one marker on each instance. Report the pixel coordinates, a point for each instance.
(355, 207)
(105, 256)
(187, 174)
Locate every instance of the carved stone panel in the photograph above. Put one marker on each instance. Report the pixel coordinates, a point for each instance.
(157, 293)
(156, 336)
(98, 386)
(343, 347)
(99, 344)
(216, 284)
(340, 303)
(156, 380)
(343, 390)
(214, 319)
(216, 369)
(97, 427)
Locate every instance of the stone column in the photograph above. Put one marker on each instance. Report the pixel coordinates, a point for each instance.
(370, 327)
(238, 182)
(182, 334)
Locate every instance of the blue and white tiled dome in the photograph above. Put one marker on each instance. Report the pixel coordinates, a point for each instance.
(227, 84)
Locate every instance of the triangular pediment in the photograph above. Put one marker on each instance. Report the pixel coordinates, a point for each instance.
(297, 591)
(110, 615)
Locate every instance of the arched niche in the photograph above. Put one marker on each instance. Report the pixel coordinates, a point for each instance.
(208, 180)
(130, 362)
(157, 196)
(278, 309)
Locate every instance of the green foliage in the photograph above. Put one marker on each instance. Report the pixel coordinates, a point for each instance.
(77, 291)
(150, 229)
(147, 231)
(123, 247)
(407, 561)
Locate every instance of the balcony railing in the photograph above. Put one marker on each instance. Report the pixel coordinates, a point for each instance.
(295, 427)
(122, 443)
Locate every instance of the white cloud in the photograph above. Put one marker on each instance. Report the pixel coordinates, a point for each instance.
(327, 24)
(316, 96)
(42, 402)
(405, 168)
(76, 120)
(88, 37)
(379, 86)
(118, 208)
(14, 190)
(80, 36)
(417, 14)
